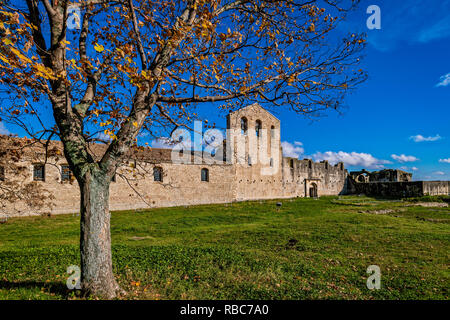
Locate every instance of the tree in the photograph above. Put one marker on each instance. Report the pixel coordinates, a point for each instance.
(118, 67)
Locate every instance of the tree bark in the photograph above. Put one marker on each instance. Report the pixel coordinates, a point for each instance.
(95, 241)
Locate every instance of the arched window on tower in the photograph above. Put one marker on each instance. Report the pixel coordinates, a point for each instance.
(244, 125)
(258, 127)
(272, 131)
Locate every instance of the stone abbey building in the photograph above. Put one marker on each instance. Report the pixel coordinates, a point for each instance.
(254, 170)
(151, 178)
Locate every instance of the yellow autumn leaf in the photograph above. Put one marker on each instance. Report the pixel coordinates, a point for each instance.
(20, 55)
(7, 41)
(99, 47)
(135, 124)
(3, 58)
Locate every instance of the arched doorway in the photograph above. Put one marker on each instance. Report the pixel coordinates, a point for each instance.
(361, 178)
(313, 190)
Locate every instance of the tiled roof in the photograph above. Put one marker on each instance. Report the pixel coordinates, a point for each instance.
(97, 150)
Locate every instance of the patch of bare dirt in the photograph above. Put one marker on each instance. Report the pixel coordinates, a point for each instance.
(382, 211)
(431, 204)
(140, 238)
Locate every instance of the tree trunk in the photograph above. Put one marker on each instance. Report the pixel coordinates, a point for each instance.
(95, 241)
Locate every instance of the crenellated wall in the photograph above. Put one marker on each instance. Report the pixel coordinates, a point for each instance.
(300, 176)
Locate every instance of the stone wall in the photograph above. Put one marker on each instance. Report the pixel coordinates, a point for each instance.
(256, 173)
(396, 189)
(386, 175)
(434, 188)
(181, 185)
(390, 189)
(299, 176)
(135, 188)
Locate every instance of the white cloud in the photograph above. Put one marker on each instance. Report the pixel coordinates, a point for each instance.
(404, 158)
(440, 29)
(405, 168)
(421, 138)
(445, 81)
(143, 134)
(365, 160)
(3, 129)
(294, 150)
(444, 160)
(439, 173)
(103, 136)
(162, 143)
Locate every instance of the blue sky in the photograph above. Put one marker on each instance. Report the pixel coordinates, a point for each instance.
(406, 60)
(399, 118)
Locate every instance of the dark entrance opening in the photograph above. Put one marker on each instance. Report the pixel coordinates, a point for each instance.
(313, 190)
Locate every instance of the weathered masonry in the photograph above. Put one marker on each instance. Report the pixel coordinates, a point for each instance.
(387, 175)
(152, 179)
(393, 183)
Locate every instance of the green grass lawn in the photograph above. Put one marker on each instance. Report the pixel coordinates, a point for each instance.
(307, 249)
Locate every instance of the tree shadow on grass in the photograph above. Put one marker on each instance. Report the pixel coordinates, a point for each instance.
(57, 288)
